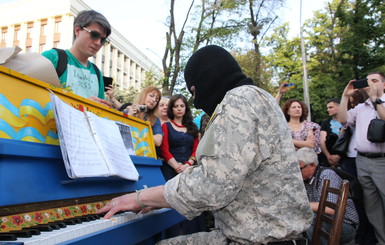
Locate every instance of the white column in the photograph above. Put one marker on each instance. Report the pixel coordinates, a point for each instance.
(49, 33)
(23, 36)
(107, 60)
(11, 34)
(66, 32)
(114, 65)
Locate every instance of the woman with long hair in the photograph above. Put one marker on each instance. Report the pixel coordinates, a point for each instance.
(303, 132)
(180, 138)
(145, 107)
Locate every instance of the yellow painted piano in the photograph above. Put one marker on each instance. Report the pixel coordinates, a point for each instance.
(39, 204)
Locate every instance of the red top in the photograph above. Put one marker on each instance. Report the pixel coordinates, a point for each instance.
(165, 148)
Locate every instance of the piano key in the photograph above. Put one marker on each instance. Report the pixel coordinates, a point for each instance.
(78, 230)
(8, 237)
(22, 233)
(61, 224)
(32, 231)
(70, 222)
(43, 227)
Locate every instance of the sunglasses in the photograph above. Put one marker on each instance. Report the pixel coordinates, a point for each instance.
(95, 35)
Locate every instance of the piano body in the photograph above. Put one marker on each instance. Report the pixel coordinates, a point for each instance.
(35, 190)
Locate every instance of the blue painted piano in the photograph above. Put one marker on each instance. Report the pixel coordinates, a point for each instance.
(35, 191)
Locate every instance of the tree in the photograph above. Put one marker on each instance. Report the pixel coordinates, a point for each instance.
(171, 57)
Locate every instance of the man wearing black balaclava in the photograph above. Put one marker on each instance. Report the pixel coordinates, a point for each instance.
(247, 173)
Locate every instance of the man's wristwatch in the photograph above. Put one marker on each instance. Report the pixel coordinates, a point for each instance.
(377, 102)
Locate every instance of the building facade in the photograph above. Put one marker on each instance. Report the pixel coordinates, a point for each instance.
(39, 25)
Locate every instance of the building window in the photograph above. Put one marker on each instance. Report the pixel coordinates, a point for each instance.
(28, 41)
(58, 24)
(4, 31)
(42, 39)
(16, 35)
(29, 30)
(43, 26)
(41, 48)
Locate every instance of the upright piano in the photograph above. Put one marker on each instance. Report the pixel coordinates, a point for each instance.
(36, 195)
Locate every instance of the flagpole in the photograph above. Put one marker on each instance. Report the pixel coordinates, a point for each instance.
(305, 83)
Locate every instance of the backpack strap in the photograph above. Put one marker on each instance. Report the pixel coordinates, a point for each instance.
(97, 71)
(62, 61)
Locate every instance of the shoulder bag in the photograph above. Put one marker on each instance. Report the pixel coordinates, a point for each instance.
(376, 131)
(342, 144)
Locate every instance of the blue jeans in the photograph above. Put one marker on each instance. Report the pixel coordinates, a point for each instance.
(348, 233)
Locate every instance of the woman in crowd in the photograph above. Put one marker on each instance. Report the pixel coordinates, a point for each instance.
(180, 138)
(303, 132)
(162, 115)
(145, 107)
(162, 112)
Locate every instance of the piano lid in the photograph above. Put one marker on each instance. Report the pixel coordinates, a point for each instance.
(27, 114)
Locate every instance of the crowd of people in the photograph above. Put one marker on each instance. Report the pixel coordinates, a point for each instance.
(256, 167)
(308, 135)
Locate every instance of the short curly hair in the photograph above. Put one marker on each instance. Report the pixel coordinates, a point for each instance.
(286, 106)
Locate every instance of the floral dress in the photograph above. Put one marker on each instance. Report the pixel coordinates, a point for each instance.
(302, 134)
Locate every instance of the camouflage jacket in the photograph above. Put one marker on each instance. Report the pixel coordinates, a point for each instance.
(247, 172)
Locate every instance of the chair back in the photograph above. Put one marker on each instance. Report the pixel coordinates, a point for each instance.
(335, 221)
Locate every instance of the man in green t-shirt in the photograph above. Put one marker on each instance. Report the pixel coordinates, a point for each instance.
(91, 30)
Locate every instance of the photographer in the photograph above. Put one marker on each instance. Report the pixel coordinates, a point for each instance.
(370, 159)
(144, 107)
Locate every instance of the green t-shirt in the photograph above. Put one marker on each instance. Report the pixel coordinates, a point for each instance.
(81, 80)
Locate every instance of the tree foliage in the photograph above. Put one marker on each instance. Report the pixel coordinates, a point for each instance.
(344, 41)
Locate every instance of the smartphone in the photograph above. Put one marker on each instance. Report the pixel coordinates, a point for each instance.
(107, 82)
(361, 83)
(289, 86)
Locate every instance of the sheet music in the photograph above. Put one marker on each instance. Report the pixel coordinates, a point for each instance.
(125, 131)
(80, 153)
(116, 154)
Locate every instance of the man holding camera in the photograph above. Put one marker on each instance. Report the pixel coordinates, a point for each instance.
(370, 155)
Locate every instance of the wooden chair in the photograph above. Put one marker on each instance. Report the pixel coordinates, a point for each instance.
(335, 221)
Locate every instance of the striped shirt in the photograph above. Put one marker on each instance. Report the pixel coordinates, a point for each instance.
(315, 189)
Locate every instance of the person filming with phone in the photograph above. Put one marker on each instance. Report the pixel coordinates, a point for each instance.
(370, 159)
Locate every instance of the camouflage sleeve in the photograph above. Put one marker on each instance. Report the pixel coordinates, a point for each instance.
(225, 155)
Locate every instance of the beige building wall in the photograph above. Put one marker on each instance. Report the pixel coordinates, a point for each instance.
(39, 25)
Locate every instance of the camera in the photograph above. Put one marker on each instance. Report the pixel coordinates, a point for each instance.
(361, 83)
(142, 108)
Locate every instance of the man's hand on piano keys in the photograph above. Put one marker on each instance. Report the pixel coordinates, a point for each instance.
(142, 201)
(123, 203)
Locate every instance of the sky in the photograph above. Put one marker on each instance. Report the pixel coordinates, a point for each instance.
(142, 22)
